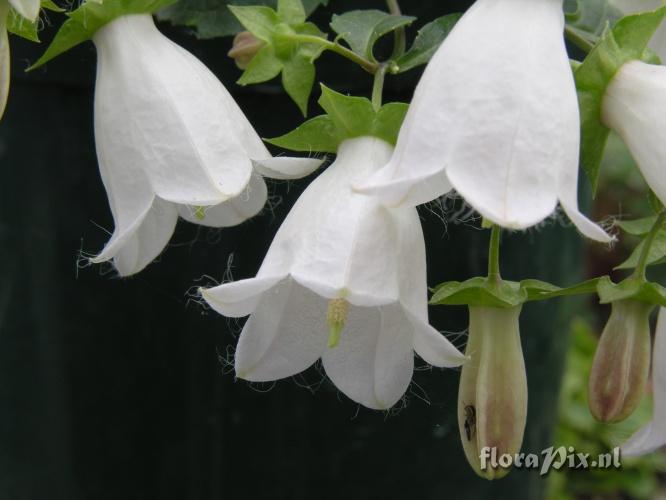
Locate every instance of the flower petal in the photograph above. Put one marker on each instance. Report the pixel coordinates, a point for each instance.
(149, 240)
(434, 347)
(374, 361)
(29, 9)
(283, 167)
(653, 435)
(285, 335)
(180, 130)
(240, 298)
(408, 191)
(635, 106)
(231, 212)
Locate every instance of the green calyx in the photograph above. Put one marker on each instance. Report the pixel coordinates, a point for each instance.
(636, 288)
(346, 117)
(626, 41)
(18, 25)
(84, 22)
(291, 47)
(486, 292)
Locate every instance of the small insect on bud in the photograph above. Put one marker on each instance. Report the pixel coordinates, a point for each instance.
(245, 47)
(336, 319)
(492, 400)
(622, 362)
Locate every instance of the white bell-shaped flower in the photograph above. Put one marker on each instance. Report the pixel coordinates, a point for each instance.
(344, 280)
(653, 435)
(501, 127)
(171, 140)
(634, 106)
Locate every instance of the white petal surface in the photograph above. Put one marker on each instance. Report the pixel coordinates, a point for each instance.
(182, 133)
(433, 347)
(29, 9)
(285, 168)
(239, 298)
(653, 435)
(374, 361)
(286, 334)
(231, 212)
(635, 107)
(337, 242)
(149, 240)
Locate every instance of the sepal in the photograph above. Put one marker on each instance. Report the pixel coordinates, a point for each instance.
(84, 22)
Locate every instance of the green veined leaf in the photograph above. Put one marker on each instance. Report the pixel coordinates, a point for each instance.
(428, 40)
(637, 227)
(362, 28)
(657, 252)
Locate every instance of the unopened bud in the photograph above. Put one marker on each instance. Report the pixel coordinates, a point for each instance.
(244, 48)
(492, 400)
(336, 319)
(622, 362)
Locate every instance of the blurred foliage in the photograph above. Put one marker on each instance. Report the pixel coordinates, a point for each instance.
(638, 478)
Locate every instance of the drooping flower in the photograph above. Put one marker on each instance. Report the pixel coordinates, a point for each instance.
(502, 130)
(171, 141)
(492, 400)
(634, 106)
(622, 362)
(653, 435)
(345, 281)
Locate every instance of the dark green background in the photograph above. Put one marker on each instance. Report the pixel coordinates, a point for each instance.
(115, 389)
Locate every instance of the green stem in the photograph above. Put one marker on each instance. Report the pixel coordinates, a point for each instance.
(577, 39)
(493, 254)
(364, 63)
(378, 87)
(641, 267)
(400, 45)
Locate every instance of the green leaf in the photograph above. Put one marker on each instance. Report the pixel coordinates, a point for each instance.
(260, 21)
(298, 76)
(657, 252)
(5, 60)
(347, 117)
(291, 11)
(479, 292)
(212, 18)
(388, 121)
(316, 135)
(428, 40)
(20, 26)
(539, 290)
(362, 28)
(590, 17)
(263, 67)
(91, 16)
(353, 116)
(631, 288)
(638, 227)
(627, 41)
(655, 203)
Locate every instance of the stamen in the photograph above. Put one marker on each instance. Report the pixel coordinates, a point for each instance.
(336, 319)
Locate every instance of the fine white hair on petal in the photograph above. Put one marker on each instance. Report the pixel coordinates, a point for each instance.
(653, 435)
(634, 106)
